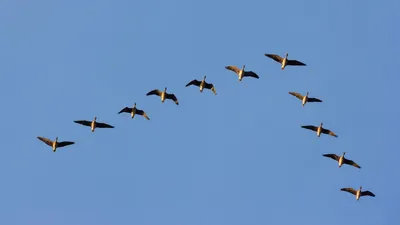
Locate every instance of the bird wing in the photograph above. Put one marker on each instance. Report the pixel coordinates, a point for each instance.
(313, 100)
(154, 92)
(310, 127)
(364, 193)
(332, 156)
(350, 190)
(142, 113)
(194, 82)
(250, 74)
(65, 143)
(275, 57)
(295, 63)
(46, 140)
(173, 97)
(326, 131)
(351, 163)
(233, 68)
(126, 110)
(297, 95)
(84, 122)
(103, 125)
(211, 86)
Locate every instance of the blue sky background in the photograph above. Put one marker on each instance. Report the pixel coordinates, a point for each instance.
(238, 158)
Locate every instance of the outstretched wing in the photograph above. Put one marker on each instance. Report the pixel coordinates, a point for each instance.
(154, 92)
(350, 190)
(194, 82)
(329, 132)
(142, 113)
(103, 125)
(125, 110)
(233, 68)
(250, 74)
(65, 143)
(332, 156)
(313, 100)
(310, 127)
(211, 86)
(295, 63)
(46, 140)
(351, 163)
(297, 95)
(173, 97)
(275, 57)
(84, 122)
(364, 193)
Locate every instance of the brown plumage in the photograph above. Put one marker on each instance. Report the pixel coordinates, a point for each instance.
(55, 144)
(358, 193)
(342, 160)
(320, 130)
(304, 98)
(134, 111)
(93, 124)
(164, 95)
(285, 61)
(202, 84)
(241, 72)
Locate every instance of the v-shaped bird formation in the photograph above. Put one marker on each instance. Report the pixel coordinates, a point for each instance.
(202, 84)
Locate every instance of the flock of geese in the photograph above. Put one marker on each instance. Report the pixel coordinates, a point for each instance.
(241, 73)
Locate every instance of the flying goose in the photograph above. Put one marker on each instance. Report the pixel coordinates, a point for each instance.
(358, 193)
(93, 124)
(342, 160)
(202, 84)
(304, 99)
(319, 130)
(164, 95)
(55, 144)
(134, 111)
(285, 61)
(241, 72)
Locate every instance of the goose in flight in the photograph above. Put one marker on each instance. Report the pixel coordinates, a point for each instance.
(285, 61)
(358, 193)
(164, 95)
(241, 72)
(55, 144)
(304, 99)
(342, 160)
(93, 124)
(319, 130)
(202, 84)
(134, 111)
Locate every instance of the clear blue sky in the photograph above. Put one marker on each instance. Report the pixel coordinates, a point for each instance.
(238, 158)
